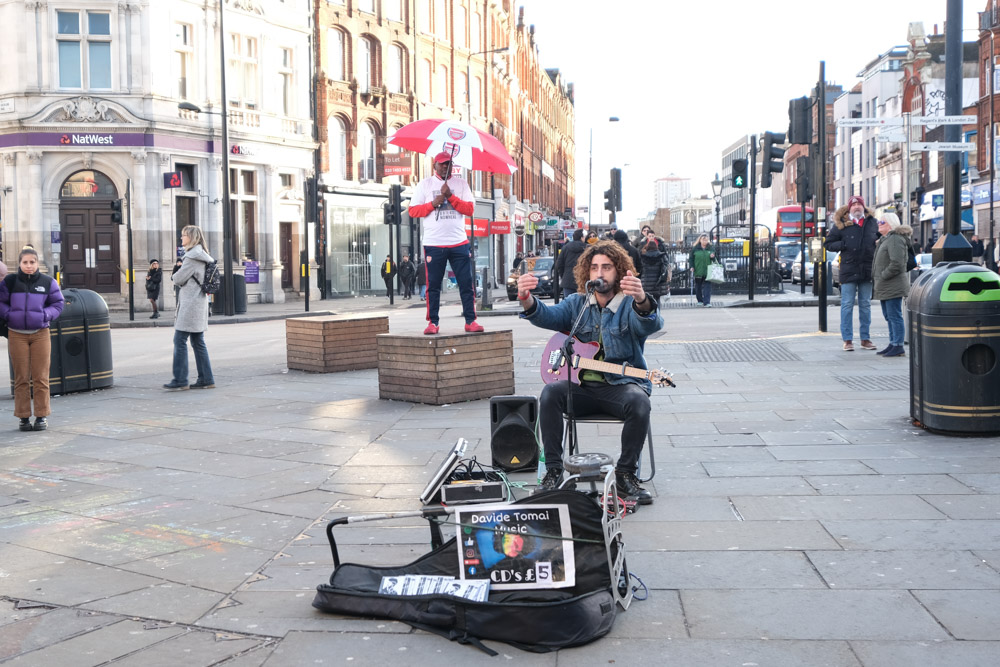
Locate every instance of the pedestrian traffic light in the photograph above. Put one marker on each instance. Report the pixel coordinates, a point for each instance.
(772, 157)
(739, 173)
(799, 121)
(116, 211)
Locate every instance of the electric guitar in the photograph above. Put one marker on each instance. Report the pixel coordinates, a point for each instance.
(583, 357)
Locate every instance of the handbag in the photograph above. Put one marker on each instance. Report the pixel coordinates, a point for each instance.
(716, 274)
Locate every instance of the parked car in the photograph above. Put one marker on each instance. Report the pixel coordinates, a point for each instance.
(832, 257)
(924, 264)
(784, 254)
(542, 268)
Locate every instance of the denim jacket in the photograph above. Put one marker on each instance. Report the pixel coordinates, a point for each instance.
(625, 331)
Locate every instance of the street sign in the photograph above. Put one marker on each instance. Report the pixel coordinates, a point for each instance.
(943, 120)
(942, 146)
(519, 230)
(870, 122)
(891, 137)
(536, 216)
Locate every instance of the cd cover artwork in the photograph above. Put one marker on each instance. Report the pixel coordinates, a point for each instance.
(516, 546)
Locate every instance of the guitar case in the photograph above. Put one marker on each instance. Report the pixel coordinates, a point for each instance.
(539, 620)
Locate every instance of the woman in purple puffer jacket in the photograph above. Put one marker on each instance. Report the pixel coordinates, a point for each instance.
(29, 302)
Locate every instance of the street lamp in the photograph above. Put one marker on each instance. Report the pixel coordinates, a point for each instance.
(468, 78)
(717, 195)
(590, 177)
(229, 303)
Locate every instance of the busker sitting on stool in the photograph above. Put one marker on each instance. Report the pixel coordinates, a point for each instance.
(620, 317)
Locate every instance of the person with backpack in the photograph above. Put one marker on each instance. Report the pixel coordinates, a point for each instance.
(29, 302)
(191, 320)
(153, 278)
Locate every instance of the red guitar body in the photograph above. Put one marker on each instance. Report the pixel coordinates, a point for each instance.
(553, 352)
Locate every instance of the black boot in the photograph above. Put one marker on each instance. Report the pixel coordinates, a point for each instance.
(628, 488)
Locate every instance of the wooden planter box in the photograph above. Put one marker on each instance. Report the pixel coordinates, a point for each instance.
(445, 369)
(332, 343)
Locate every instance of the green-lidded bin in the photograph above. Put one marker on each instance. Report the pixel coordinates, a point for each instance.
(955, 349)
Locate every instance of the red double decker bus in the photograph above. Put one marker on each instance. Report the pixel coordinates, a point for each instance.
(788, 223)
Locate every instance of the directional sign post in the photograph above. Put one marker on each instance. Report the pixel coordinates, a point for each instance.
(942, 146)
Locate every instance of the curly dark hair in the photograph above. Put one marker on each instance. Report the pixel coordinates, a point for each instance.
(610, 249)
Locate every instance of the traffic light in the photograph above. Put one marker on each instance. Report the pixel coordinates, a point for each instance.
(396, 202)
(803, 189)
(772, 157)
(799, 121)
(116, 211)
(616, 187)
(609, 200)
(387, 213)
(739, 173)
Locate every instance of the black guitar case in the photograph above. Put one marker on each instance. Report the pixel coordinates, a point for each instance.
(534, 620)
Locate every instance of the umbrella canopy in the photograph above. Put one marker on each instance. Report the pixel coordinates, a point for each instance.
(469, 147)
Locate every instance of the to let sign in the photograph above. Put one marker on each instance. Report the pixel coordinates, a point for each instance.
(397, 164)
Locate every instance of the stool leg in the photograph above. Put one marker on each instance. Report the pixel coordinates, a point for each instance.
(652, 458)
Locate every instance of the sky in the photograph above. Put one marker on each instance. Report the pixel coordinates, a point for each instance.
(687, 79)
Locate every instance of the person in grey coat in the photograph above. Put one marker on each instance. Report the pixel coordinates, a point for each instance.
(892, 282)
(191, 320)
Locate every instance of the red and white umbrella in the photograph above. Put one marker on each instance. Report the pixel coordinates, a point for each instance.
(469, 147)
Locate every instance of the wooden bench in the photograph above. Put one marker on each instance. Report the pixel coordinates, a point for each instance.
(331, 343)
(445, 369)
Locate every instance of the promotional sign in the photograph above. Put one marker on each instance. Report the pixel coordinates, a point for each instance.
(500, 227)
(516, 546)
(536, 216)
(397, 164)
(481, 226)
(251, 272)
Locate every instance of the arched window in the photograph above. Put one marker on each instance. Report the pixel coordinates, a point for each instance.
(335, 61)
(476, 96)
(366, 151)
(88, 184)
(475, 41)
(364, 65)
(441, 86)
(337, 141)
(397, 69)
(425, 80)
(461, 18)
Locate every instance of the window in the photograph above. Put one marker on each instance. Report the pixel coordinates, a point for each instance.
(337, 142)
(461, 17)
(476, 96)
(243, 209)
(396, 67)
(441, 86)
(287, 181)
(440, 19)
(475, 41)
(335, 55)
(366, 149)
(84, 44)
(286, 82)
(366, 67)
(243, 71)
(367, 6)
(183, 56)
(393, 9)
(425, 80)
(424, 15)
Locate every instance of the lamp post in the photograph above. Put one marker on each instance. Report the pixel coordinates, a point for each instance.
(590, 176)
(717, 195)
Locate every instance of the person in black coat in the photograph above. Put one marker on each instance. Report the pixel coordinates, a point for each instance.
(621, 237)
(853, 235)
(422, 279)
(153, 279)
(407, 272)
(566, 263)
(655, 270)
(388, 272)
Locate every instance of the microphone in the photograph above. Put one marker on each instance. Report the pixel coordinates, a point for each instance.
(596, 284)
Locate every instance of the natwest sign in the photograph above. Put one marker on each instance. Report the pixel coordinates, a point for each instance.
(87, 140)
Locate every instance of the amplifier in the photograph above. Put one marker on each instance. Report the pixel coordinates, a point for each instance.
(473, 491)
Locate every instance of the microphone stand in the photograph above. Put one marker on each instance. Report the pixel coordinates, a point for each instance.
(566, 354)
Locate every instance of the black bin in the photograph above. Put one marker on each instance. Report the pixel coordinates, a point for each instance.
(955, 349)
(81, 345)
(239, 296)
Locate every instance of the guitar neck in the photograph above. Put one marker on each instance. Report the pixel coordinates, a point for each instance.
(616, 369)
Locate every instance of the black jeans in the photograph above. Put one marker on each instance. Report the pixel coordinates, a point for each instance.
(628, 402)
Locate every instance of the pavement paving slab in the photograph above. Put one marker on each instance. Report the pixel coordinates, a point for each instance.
(193, 649)
(904, 570)
(99, 646)
(792, 508)
(665, 571)
(966, 614)
(927, 653)
(168, 602)
(45, 627)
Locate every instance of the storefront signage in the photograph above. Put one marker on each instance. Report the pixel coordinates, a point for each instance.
(172, 179)
(500, 227)
(240, 149)
(87, 140)
(397, 164)
(480, 226)
(251, 272)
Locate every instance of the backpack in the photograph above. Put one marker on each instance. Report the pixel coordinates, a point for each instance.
(212, 282)
(911, 259)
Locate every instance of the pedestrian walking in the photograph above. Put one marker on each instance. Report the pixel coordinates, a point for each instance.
(853, 235)
(978, 250)
(153, 278)
(566, 263)
(191, 319)
(29, 302)
(621, 237)
(517, 260)
(892, 282)
(990, 255)
(701, 256)
(407, 272)
(388, 271)
(422, 279)
(592, 238)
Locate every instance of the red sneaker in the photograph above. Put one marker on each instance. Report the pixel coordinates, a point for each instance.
(431, 329)
(474, 327)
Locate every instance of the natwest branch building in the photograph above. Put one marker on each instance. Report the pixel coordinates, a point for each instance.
(89, 100)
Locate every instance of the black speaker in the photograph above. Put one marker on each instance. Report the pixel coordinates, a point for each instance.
(512, 432)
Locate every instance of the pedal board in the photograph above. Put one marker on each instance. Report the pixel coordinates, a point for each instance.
(473, 491)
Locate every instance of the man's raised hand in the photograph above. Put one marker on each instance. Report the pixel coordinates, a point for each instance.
(632, 286)
(525, 284)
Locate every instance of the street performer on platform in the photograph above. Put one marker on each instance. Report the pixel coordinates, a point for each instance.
(443, 201)
(620, 317)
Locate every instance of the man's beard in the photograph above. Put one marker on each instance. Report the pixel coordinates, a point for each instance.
(607, 288)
